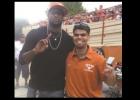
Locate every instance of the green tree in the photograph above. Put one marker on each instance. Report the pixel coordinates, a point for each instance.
(74, 7)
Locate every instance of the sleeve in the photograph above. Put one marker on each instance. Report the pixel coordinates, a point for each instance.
(28, 45)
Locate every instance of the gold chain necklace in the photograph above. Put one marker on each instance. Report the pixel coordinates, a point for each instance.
(55, 48)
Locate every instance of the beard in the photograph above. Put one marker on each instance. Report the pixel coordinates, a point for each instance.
(55, 23)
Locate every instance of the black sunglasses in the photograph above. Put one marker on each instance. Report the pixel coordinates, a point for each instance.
(81, 24)
(56, 11)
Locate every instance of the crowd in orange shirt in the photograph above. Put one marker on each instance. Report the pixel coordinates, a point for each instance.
(111, 13)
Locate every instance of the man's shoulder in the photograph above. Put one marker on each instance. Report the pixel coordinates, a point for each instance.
(66, 33)
(43, 28)
(70, 55)
(36, 31)
(67, 37)
(96, 55)
(40, 29)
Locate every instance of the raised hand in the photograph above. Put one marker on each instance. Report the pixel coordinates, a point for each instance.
(41, 45)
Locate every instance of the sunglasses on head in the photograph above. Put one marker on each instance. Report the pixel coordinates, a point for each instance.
(80, 24)
(57, 11)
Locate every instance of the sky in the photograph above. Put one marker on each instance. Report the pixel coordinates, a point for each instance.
(35, 11)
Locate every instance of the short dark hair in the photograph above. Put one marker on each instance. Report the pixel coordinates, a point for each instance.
(83, 26)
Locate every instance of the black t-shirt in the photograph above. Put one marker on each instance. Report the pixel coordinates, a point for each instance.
(47, 68)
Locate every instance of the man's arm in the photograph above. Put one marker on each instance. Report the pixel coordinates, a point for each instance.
(28, 56)
(39, 47)
(106, 72)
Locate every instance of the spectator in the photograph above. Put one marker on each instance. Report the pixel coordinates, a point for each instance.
(24, 69)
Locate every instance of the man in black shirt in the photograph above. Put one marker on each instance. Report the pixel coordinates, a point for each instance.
(47, 48)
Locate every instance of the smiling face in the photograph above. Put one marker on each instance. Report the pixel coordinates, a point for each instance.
(80, 38)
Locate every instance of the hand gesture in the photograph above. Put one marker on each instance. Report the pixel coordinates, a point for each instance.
(41, 45)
